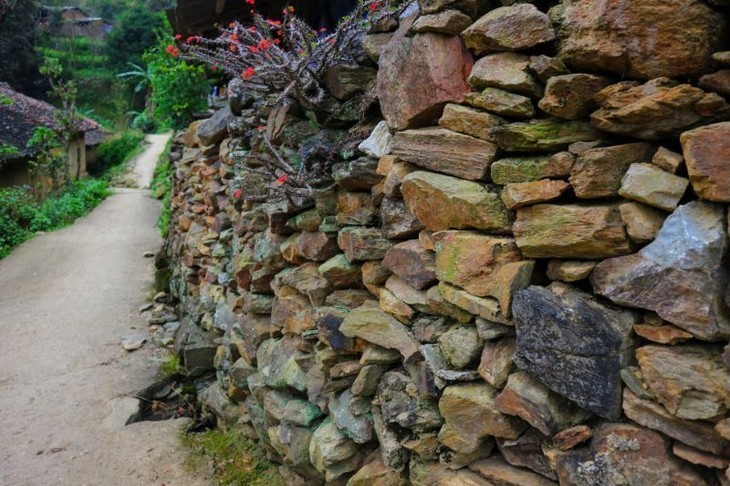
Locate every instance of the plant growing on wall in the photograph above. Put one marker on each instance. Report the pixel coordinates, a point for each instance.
(283, 62)
(286, 59)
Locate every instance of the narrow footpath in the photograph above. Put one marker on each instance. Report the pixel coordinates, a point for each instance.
(66, 300)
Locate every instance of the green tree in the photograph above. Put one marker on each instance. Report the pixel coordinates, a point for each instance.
(177, 89)
(136, 32)
(18, 54)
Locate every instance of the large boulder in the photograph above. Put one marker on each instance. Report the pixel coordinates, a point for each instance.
(574, 344)
(642, 39)
(418, 75)
(680, 275)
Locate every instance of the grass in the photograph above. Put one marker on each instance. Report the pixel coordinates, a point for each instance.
(171, 365)
(21, 216)
(114, 154)
(162, 188)
(235, 460)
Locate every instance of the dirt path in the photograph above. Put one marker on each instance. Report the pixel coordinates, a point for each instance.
(66, 299)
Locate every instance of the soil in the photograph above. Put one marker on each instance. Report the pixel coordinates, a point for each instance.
(66, 300)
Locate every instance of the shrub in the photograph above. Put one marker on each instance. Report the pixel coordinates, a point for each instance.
(284, 62)
(17, 210)
(287, 59)
(178, 89)
(135, 33)
(116, 151)
(21, 215)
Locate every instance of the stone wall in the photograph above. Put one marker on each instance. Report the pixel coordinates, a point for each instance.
(518, 279)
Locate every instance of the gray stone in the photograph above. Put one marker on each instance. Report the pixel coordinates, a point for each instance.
(583, 364)
(277, 361)
(330, 447)
(461, 346)
(401, 404)
(378, 143)
(651, 185)
(375, 326)
(215, 128)
(680, 275)
(359, 429)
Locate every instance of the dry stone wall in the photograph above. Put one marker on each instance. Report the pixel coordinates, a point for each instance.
(519, 278)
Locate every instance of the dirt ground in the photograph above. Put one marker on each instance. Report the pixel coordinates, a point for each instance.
(66, 300)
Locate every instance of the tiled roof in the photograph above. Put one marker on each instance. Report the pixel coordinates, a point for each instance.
(18, 119)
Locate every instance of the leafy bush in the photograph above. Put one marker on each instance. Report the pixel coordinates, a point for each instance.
(143, 122)
(178, 89)
(17, 211)
(21, 215)
(116, 151)
(135, 33)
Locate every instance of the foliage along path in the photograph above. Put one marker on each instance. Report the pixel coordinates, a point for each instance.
(66, 299)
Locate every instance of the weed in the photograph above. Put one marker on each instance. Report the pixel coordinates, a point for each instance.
(162, 188)
(171, 365)
(234, 458)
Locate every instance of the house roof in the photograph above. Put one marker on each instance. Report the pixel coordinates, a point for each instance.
(19, 119)
(95, 137)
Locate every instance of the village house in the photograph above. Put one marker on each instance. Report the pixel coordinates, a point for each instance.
(17, 123)
(74, 22)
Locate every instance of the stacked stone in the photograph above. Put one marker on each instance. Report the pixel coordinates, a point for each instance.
(519, 279)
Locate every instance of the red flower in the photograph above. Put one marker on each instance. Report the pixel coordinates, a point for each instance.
(172, 50)
(253, 49)
(264, 44)
(178, 37)
(282, 179)
(237, 193)
(373, 6)
(248, 72)
(250, 2)
(191, 39)
(260, 128)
